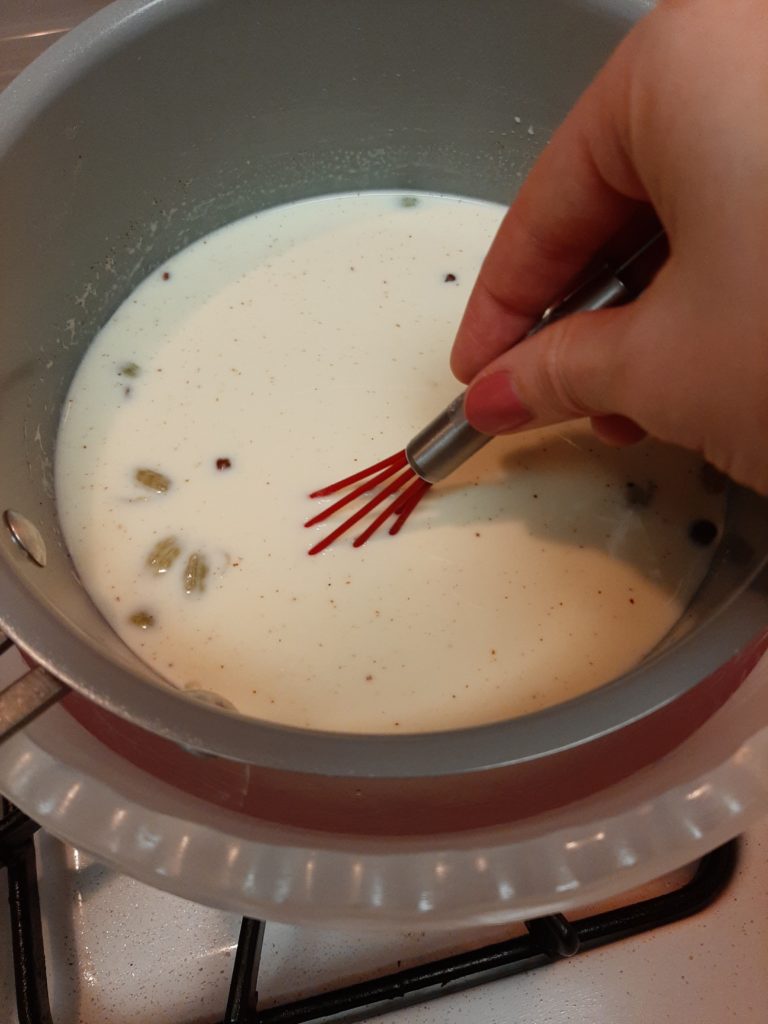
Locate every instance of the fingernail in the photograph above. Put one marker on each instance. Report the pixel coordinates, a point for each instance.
(493, 406)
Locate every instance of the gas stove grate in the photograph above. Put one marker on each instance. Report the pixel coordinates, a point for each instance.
(547, 940)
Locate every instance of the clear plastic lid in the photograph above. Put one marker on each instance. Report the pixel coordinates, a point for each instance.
(708, 790)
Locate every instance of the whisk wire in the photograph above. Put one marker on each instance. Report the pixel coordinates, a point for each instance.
(369, 506)
(391, 465)
(418, 489)
(364, 488)
(401, 507)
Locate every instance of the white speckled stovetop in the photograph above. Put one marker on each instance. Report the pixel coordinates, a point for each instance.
(121, 953)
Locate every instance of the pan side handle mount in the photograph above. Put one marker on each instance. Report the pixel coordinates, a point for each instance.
(25, 698)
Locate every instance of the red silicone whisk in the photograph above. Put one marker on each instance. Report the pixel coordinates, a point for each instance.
(399, 482)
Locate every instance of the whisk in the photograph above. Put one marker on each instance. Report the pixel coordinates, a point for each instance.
(398, 483)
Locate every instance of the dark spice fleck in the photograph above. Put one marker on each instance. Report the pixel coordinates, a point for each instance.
(166, 275)
(223, 463)
(702, 532)
(129, 370)
(409, 201)
(449, 278)
(640, 494)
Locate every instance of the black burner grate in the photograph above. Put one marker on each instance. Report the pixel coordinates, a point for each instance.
(547, 939)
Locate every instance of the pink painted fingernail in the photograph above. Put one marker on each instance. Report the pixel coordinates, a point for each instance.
(493, 406)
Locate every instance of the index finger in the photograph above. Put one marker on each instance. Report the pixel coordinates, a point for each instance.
(581, 191)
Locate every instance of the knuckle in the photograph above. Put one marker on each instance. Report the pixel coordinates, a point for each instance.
(562, 371)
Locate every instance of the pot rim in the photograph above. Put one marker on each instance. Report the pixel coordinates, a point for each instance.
(43, 634)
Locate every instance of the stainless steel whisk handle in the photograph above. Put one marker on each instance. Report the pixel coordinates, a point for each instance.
(445, 443)
(449, 440)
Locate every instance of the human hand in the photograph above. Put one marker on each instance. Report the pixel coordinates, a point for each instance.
(677, 121)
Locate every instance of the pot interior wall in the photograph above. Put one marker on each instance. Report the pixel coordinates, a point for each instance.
(164, 124)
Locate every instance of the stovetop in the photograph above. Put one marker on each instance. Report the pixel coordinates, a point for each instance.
(119, 952)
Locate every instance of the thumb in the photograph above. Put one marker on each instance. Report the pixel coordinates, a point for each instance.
(579, 366)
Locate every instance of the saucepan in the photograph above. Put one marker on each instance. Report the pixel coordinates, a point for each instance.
(156, 122)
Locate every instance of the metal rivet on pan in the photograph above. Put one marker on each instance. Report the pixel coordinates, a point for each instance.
(27, 536)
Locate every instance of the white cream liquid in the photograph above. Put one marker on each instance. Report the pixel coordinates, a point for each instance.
(304, 343)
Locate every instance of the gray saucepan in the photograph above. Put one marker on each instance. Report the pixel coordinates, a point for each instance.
(159, 120)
